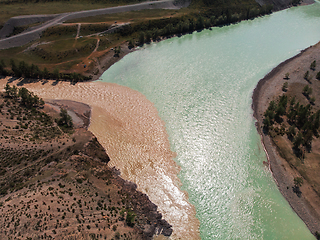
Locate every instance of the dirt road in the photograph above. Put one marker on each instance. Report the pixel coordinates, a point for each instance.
(35, 32)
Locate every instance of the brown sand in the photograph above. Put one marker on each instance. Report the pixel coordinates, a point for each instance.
(268, 88)
(80, 112)
(129, 128)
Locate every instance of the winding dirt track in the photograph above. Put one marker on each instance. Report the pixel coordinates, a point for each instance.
(35, 32)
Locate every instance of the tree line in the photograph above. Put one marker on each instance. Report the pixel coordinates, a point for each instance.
(154, 29)
(23, 69)
(24, 96)
(30, 100)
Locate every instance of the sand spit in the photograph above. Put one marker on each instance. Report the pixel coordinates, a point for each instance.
(129, 128)
(308, 205)
(80, 112)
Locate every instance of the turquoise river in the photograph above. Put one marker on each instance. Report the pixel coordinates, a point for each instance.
(201, 85)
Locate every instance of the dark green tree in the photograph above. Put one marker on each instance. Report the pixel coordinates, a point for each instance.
(307, 91)
(200, 23)
(307, 76)
(16, 71)
(155, 34)
(3, 71)
(307, 138)
(130, 44)
(11, 92)
(298, 181)
(148, 37)
(292, 101)
(141, 38)
(130, 218)
(312, 100)
(285, 86)
(291, 132)
(286, 76)
(298, 140)
(56, 74)
(313, 65)
(65, 120)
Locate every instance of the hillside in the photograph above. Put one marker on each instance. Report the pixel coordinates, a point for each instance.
(55, 181)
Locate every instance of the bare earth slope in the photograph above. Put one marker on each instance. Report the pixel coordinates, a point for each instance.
(58, 185)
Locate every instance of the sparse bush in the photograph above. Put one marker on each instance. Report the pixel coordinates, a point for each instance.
(298, 181)
(286, 76)
(285, 87)
(313, 65)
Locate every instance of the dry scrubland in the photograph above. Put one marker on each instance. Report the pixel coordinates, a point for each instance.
(303, 91)
(287, 106)
(55, 182)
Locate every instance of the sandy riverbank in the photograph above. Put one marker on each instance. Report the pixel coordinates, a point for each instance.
(128, 126)
(308, 205)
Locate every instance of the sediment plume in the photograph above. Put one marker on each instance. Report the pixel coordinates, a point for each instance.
(129, 128)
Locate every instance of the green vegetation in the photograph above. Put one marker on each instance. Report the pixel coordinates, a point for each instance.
(298, 181)
(59, 33)
(10, 8)
(313, 65)
(87, 29)
(294, 119)
(22, 95)
(285, 86)
(27, 125)
(300, 122)
(307, 91)
(33, 71)
(215, 15)
(286, 76)
(65, 121)
(58, 47)
(64, 50)
(307, 76)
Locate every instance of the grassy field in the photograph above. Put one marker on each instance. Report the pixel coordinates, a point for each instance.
(134, 16)
(17, 9)
(60, 48)
(58, 45)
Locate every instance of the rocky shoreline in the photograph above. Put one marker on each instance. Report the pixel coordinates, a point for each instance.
(307, 205)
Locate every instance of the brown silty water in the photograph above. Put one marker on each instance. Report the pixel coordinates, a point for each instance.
(135, 138)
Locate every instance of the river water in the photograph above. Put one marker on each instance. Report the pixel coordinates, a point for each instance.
(201, 84)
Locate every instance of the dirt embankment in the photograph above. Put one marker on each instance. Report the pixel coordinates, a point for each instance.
(60, 185)
(285, 166)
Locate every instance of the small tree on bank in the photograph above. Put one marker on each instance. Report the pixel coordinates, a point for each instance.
(65, 120)
(313, 65)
